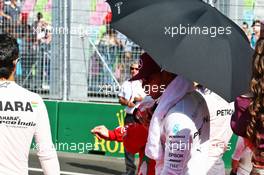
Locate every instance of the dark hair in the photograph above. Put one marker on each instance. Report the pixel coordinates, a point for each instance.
(254, 22)
(39, 15)
(8, 53)
(245, 23)
(256, 124)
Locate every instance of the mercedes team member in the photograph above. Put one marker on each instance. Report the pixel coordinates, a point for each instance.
(220, 131)
(22, 115)
(180, 123)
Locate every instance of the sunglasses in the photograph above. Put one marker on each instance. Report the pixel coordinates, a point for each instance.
(134, 68)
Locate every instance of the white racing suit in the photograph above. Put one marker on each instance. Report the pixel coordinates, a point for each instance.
(220, 131)
(23, 115)
(185, 127)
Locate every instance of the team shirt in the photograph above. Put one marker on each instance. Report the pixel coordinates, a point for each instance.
(220, 131)
(184, 129)
(23, 115)
(130, 90)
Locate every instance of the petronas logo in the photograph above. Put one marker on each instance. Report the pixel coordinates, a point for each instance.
(121, 117)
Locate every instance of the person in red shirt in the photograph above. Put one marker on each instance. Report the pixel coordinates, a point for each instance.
(133, 135)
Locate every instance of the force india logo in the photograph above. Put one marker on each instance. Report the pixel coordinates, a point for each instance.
(17, 106)
(15, 122)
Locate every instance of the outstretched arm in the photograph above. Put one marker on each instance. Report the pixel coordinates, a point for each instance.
(101, 132)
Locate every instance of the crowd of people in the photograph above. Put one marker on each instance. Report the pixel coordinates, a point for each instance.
(34, 39)
(118, 52)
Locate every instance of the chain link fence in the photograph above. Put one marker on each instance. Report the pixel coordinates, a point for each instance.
(106, 53)
(30, 21)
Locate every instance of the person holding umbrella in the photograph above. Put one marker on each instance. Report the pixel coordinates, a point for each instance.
(220, 131)
(180, 123)
(248, 121)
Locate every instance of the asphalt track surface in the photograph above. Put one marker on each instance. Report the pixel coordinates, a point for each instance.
(82, 164)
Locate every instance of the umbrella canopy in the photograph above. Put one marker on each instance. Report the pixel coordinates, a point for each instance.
(191, 38)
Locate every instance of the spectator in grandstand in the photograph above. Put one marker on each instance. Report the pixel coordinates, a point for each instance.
(111, 48)
(134, 135)
(130, 95)
(248, 121)
(3, 16)
(14, 12)
(241, 158)
(41, 28)
(179, 124)
(127, 44)
(256, 33)
(220, 131)
(23, 116)
(246, 30)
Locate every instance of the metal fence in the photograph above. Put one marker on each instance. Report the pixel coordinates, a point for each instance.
(110, 54)
(106, 52)
(29, 21)
(110, 58)
(69, 51)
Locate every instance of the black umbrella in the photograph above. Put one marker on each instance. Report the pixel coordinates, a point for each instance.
(191, 38)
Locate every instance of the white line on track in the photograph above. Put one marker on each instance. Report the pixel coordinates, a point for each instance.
(62, 172)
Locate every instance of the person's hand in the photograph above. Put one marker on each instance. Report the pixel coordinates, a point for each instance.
(101, 132)
(138, 99)
(8, 17)
(130, 104)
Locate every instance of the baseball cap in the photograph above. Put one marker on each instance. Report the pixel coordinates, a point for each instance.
(147, 66)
